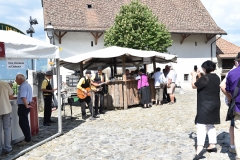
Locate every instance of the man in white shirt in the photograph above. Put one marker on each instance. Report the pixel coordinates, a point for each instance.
(6, 93)
(159, 83)
(171, 78)
(158, 86)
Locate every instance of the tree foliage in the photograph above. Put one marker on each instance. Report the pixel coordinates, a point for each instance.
(136, 27)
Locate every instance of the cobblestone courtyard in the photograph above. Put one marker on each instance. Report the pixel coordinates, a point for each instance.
(164, 132)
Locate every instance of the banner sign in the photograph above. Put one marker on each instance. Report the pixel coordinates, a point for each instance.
(15, 64)
(2, 50)
(147, 60)
(7, 27)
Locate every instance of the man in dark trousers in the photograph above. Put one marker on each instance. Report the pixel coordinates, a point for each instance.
(99, 77)
(84, 83)
(24, 99)
(47, 96)
(165, 95)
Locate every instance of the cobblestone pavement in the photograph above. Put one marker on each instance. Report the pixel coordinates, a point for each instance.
(164, 132)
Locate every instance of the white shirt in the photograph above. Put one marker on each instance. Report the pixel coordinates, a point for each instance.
(5, 92)
(172, 75)
(159, 78)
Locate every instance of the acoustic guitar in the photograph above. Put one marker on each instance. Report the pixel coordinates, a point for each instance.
(82, 95)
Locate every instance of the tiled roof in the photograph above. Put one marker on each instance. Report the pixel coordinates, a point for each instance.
(226, 49)
(180, 16)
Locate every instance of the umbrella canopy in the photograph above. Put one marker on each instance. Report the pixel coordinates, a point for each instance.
(103, 57)
(21, 46)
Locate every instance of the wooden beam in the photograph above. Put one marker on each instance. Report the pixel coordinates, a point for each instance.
(60, 36)
(124, 68)
(111, 66)
(209, 37)
(184, 36)
(90, 64)
(154, 64)
(97, 36)
(115, 66)
(87, 60)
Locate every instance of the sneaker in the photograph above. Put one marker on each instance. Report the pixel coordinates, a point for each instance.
(24, 143)
(232, 150)
(8, 152)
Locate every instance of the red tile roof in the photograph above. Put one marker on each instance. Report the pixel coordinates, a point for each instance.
(225, 49)
(180, 16)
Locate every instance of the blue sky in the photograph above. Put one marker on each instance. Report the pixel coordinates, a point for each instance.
(17, 12)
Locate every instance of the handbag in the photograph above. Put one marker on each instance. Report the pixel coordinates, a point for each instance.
(230, 113)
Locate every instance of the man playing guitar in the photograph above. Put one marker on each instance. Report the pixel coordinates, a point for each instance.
(99, 78)
(84, 85)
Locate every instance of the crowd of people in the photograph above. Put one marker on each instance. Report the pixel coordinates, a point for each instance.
(165, 84)
(24, 99)
(208, 87)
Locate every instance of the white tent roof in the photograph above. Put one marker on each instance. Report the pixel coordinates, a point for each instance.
(91, 60)
(115, 51)
(21, 46)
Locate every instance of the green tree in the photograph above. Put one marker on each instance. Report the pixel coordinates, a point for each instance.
(136, 27)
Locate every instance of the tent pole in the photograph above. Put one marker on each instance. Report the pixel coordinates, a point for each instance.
(115, 65)
(59, 97)
(111, 65)
(81, 69)
(124, 68)
(154, 64)
(34, 146)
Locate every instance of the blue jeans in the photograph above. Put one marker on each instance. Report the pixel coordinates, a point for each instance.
(6, 125)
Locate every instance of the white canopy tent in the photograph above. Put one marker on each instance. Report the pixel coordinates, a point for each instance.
(102, 57)
(23, 47)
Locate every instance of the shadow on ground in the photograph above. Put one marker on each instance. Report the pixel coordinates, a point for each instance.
(223, 140)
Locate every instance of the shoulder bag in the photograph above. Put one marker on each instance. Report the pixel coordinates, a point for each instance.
(230, 113)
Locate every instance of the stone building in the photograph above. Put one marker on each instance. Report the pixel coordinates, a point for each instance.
(80, 25)
(226, 53)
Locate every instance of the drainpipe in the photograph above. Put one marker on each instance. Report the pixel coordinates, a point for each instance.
(211, 46)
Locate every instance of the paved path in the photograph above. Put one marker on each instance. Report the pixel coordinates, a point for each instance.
(159, 133)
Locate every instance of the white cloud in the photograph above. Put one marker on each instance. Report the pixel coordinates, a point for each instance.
(233, 38)
(17, 14)
(227, 16)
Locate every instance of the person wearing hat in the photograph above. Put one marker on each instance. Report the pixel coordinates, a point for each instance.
(47, 96)
(98, 78)
(86, 82)
(231, 83)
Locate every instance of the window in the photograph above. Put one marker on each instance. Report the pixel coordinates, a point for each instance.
(92, 43)
(186, 77)
(89, 6)
(227, 63)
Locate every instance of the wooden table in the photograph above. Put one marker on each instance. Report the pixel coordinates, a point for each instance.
(122, 94)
